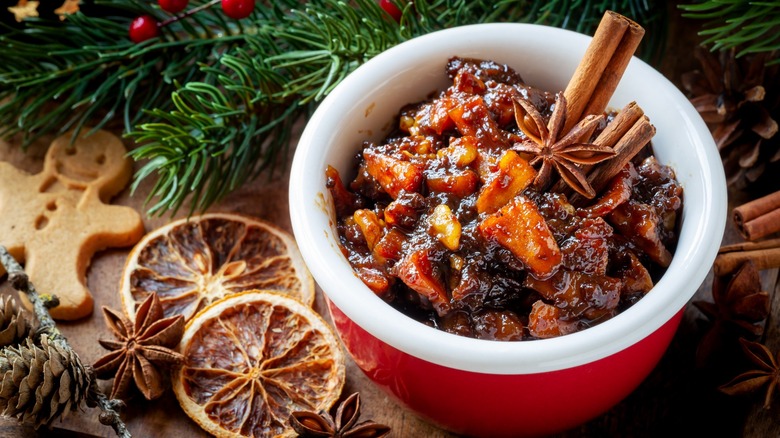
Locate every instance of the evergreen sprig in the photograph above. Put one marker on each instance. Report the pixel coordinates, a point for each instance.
(62, 75)
(213, 102)
(749, 26)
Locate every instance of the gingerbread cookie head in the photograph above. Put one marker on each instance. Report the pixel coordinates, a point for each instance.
(98, 160)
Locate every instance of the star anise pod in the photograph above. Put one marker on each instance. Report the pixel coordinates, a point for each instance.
(556, 149)
(767, 373)
(738, 306)
(739, 98)
(321, 424)
(141, 349)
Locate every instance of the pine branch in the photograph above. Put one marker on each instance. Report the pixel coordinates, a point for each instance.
(750, 26)
(60, 75)
(212, 103)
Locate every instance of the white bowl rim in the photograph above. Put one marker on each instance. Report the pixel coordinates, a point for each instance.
(372, 314)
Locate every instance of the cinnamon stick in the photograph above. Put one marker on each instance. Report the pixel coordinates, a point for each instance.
(750, 246)
(614, 72)
(620, 125)
(728, 262)
(758, 218)
(628, 145)
(602, 66)
(612, 133)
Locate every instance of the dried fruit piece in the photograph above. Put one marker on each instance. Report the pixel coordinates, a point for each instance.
(393, 174)
(514, 174)
(404, 211)
(430, 118)
(192, 263)
(617, 192)
(422, 275)
(390, 245)
(472, 118)
(459, 182)
(499, 325)
(545, 321)
(577, 293)
(636, 278)
(254, 358)
(375, 279)
(641, 224)
(345, 201)
(520, 228)
(586, 250)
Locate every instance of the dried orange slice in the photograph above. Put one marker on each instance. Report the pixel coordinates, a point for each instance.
(192, 263)
(251, 360)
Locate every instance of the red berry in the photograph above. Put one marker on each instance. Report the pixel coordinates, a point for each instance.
(173, 6)
(143, 28)
(391, 9)
(238, 9)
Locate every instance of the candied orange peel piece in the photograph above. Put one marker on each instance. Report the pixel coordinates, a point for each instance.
(520, 228)
(514, 174)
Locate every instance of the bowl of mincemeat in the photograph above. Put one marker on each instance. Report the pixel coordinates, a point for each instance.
(496, 255)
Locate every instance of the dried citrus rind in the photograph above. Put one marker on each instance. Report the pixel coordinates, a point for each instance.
(193, 262)
(252, 359)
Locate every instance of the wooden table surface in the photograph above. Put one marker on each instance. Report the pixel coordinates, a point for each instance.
(677, 397)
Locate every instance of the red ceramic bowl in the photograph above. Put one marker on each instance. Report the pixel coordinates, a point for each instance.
(490, 388)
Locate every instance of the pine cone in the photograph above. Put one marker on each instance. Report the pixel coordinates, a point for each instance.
(41, 382)
(14, 325)
(739, 98)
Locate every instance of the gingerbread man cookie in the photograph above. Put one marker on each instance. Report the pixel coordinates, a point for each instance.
(56, 220)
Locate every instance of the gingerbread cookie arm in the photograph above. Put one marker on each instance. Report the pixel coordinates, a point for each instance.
(15, 225)
(112, 226)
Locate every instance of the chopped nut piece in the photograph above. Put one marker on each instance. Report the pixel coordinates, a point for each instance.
(456, 262)
(461, 152)
(445, 226)
(520, 228)
(369, 225)
(406, 123)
